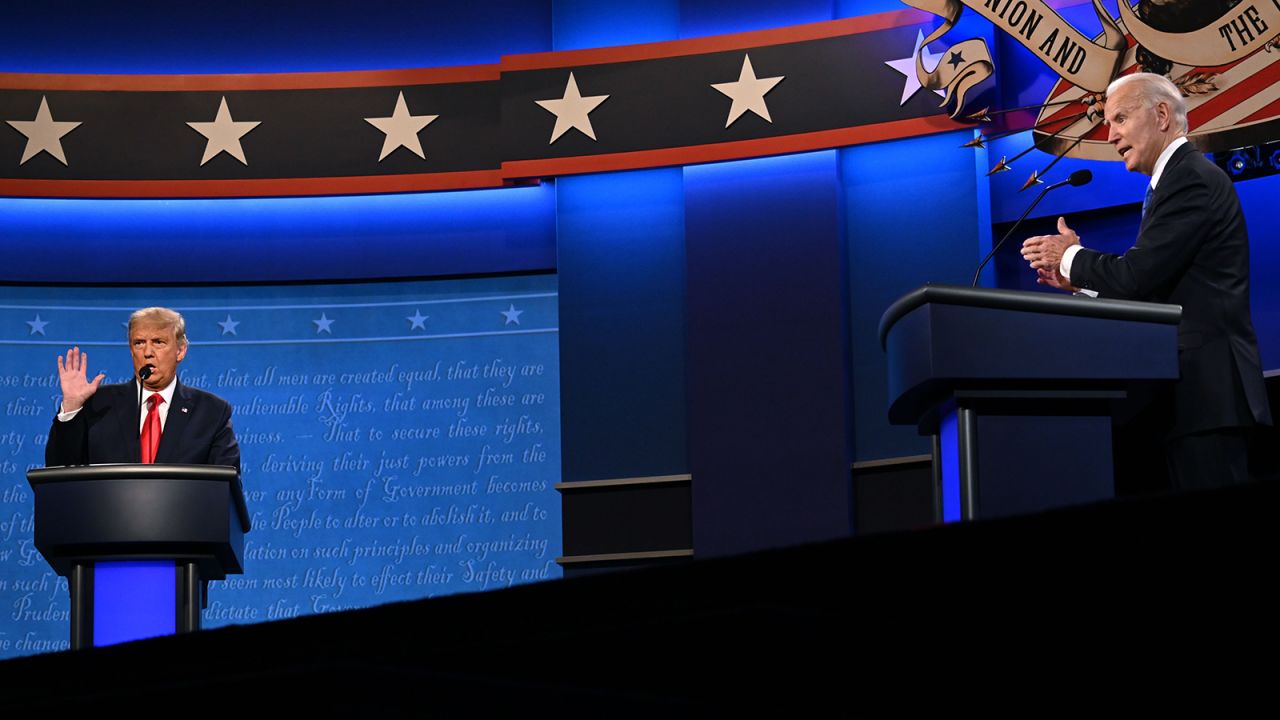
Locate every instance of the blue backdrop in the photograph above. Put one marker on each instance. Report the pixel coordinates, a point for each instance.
(398, 440)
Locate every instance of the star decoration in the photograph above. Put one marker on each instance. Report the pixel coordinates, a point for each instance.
(907, 66)
(572, 111)
(401, 129)
(417, 321)
(44, 134)
(228, 325)
(956, 59)
(224, 134)
(748, 92)
(323, 323)
(37, 325)
(511, 314)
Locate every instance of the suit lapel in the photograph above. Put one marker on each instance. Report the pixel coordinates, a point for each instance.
(127, 420)
(1170, 169)
(175, 424)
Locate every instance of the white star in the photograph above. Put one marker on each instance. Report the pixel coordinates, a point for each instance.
(511, 314)
(748, 92)
(322, 324)
(401, 129)
(37, 325)
(228, 325)
(417, 320)
(224, 134)
(907, 66)
(572, 111)
(44, 134)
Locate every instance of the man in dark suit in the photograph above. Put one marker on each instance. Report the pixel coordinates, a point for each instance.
(103, 423)
(1192, 250)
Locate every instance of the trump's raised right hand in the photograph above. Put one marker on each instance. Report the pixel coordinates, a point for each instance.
(76, 388)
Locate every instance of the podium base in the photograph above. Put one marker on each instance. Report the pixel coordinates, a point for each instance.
(120, 601)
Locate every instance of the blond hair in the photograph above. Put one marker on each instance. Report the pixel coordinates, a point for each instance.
(161, 317)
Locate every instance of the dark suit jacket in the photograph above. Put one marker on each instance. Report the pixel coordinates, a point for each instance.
(1193, 250)
(196, 432)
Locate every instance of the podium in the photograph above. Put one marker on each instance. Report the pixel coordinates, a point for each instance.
(1018, 390)
(138, 543)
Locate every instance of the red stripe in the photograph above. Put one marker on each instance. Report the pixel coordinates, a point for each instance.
(1099, 132)
(517, 170)
(268, 187)
(1059, 88)
(1216, 69)
(465, 73)
(717, 43)
(475, 73)
(264, 81)
(1071, 108)
(735, 150)
(1238, 93)
(1270, 111)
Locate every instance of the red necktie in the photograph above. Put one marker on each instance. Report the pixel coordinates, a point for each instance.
(151, 430)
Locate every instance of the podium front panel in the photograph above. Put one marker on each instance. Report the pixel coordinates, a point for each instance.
(133, 600)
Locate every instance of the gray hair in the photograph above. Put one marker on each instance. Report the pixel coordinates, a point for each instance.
(1155, 89)
(162, 317)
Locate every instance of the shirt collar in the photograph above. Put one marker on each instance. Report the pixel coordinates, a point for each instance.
(1160, 161)
(166, 392)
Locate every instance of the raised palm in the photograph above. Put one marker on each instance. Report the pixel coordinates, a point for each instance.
(76, 387)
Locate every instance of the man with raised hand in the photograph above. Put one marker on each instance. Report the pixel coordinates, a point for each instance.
(176, 424)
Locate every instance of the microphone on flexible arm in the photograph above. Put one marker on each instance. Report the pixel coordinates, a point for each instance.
(1075, 179)
(144, 372)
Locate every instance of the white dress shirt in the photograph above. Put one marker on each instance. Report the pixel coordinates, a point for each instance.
(166, 393)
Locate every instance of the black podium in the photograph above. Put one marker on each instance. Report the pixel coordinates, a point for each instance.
(138, 543)
(1019, 389)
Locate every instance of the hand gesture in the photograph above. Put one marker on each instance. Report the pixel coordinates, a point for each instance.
(76, 389)
(1044, 252)
(1053, 278)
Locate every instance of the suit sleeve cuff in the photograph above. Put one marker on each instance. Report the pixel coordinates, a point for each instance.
(69, 416)
(1067, 256)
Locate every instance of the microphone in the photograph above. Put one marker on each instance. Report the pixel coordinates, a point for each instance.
(1075, 179)
(1078, 178)
(144, 372)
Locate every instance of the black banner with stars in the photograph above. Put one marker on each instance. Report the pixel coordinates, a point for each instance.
(793, 89)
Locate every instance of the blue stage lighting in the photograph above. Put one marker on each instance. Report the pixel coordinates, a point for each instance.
(1238, 163)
